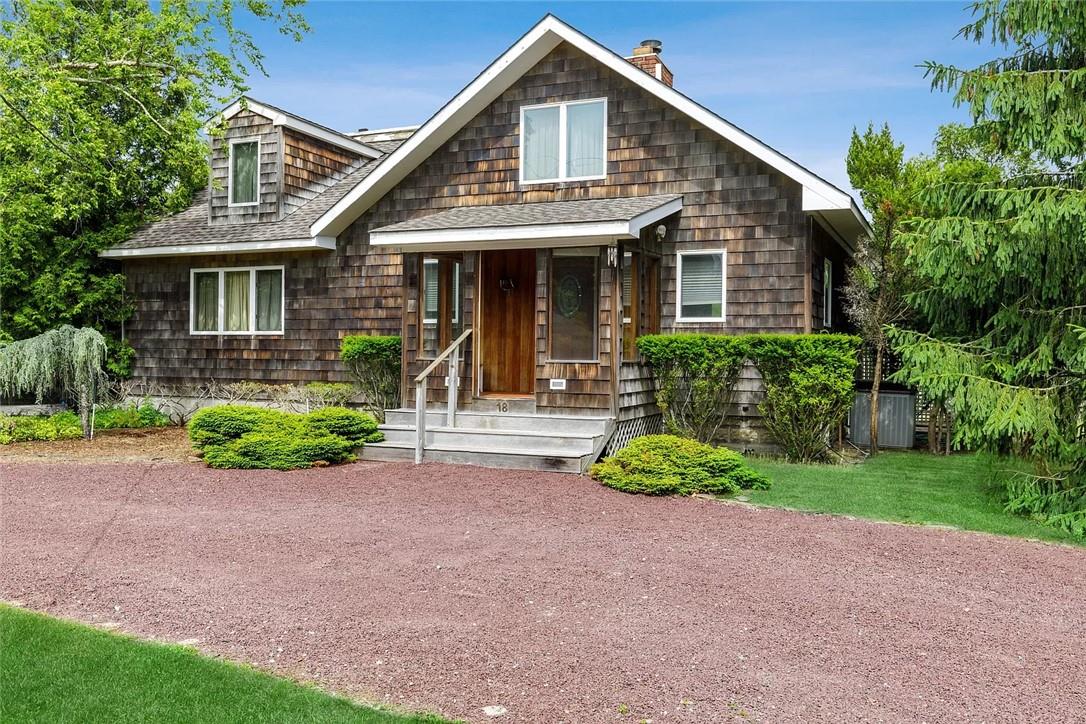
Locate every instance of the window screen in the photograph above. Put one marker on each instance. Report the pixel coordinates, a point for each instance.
(702, 285)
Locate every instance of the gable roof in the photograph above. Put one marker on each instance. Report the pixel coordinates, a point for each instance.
(279, 117)
(831, 203)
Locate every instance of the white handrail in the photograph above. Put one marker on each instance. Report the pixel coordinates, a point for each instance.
(453, 384)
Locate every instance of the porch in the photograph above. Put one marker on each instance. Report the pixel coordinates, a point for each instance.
(518, 330)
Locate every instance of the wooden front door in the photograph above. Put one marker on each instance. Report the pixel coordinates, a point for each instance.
(507, 323)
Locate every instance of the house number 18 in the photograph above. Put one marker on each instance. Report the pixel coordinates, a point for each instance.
(503, 407)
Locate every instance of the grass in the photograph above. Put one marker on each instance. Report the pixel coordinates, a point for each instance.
(58, 671)
(909, 487)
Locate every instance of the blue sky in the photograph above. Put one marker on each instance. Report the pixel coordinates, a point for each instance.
(798, 76)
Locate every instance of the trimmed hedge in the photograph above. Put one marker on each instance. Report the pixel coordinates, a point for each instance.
(373, 361)
(671, 465)
(808, 380)
(241, 436)
(25, 428)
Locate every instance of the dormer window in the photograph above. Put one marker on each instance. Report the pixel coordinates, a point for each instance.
(563, 141)
(244, 178)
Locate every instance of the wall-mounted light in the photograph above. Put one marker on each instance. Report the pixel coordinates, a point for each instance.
(661, 232)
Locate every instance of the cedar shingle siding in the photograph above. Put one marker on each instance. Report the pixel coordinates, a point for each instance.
(730, 200)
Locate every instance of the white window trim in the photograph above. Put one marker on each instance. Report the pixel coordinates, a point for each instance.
(827, 292)
(221, 315)
(723, 253)
(562, 132)
(456, 295)
(230, 172)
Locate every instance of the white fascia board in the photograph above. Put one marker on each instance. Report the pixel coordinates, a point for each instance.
(651, 216)
(327, 243)
(534, 45)
(310, 129)
(514, 234)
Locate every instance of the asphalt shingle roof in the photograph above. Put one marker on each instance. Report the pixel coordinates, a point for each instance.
(191, 227)
(549, 212)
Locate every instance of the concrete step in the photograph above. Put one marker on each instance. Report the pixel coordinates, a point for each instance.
(520, 459)
(575, 424)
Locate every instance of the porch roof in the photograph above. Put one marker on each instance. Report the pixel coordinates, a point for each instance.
(553, 223)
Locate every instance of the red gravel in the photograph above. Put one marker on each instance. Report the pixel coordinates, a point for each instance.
(454, 588)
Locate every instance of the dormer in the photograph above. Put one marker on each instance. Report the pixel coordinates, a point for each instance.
(269, 162)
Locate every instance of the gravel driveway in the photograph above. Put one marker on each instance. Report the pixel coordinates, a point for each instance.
(455, 588)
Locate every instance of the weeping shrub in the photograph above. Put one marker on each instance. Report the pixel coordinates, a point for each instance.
(670, 465)
(373, 362)
(65, 361)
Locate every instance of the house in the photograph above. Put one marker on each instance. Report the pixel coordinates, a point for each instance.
(566, 201)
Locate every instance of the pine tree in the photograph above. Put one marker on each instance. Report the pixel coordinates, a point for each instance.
(1001, 253)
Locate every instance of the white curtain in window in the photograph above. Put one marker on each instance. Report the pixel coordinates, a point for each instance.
(244, 173)
(584, 139)
(269, 300)
(205, 295)
(702, 285)
(540, 146)
(236, 298)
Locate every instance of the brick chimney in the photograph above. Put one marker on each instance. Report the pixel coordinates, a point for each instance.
(647, 57)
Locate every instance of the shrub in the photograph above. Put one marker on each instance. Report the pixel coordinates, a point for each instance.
(25, 428)
(374, 364)
(220, 424)
(358, 427)
(279, 451)
(145, 415)
(695, 379)
(809, 388)
(670, 465)
(238, 436)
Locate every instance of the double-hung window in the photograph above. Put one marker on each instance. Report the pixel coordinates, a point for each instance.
(243, 181)
(563, 141)
(245, 300)
(827, 292)
(702, 286)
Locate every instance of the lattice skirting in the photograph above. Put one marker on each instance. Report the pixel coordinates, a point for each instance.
(629, 429)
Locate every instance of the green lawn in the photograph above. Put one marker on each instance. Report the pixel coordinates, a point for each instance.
(57, 671)
(909, 487)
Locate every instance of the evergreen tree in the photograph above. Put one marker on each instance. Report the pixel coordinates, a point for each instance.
(1000, 250)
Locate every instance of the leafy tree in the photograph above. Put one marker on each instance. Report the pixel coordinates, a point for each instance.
(101, 109)
(878, 284)
(1001, 249)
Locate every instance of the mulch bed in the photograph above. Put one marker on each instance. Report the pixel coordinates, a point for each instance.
(154, 444)
(456, 588)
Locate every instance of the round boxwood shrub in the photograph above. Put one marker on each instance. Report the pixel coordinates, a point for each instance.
(670, 465)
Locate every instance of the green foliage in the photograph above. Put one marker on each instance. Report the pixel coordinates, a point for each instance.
(1000, 247)
(131, 417)
(67, 361)
(670, 465)
(809, 388)
(373, 362)
(695, 379)
(101, 110)
(120, 357)
(879, 281)
(240, 436)
(279, 451)
(23, 428)
(358, 427)
(808, 379)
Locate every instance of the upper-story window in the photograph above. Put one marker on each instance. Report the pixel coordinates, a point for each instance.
(563, 141)
(244, 177)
